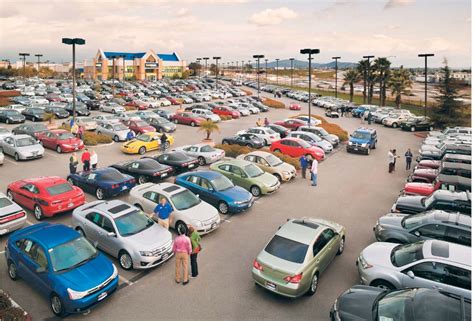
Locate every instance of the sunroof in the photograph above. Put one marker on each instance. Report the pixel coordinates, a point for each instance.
(306, 223)
(171, 188)
(440, 249)
(119, 208)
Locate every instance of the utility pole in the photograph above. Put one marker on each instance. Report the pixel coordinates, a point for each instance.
(73, 42)
(258, 57)
(426, 77)
(24, 55)
(39, 56)
(277, 69)
(309, 52)
(266, 71)
(205, 60)
(199, 64)
(291, 71)
(336, 58)
(217, 67)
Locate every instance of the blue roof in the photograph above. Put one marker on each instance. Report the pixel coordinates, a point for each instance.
(47, 234)
(128, 55)
(168, 57)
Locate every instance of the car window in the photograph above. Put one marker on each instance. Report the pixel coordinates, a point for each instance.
(435, 231)
(31, 188)
(205, 184)
(458, 236)
(194, 179)
(250, 158)
(428, 270)
(225, 167)
(39, 256)
(152, 196)
(237, 171)
(455, 276)
(319, 244)
(262, 161)
(107, 225)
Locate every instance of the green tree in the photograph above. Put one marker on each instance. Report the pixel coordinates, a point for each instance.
(382, 70)
(351, 77)
(195, 68)
(362, 70)
(209, 127)
(399, 84)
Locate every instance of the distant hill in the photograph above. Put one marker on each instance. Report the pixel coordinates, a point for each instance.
(300, 64)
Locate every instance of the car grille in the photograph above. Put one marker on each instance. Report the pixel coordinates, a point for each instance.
(163, 249)
(210, 221)
(101, 286)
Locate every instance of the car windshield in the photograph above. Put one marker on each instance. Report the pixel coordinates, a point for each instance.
(120, 127)
(404, 254)
(304, 144)
(27, 141)
(4, 202)
(63, 136)
(287, 249)
(253, 170)
(412, 221)
(184, 200)
(133, 223)
(141, 123)
(222, 183)
(207, 149)
(38, 127)
(72, 254)
(323, 132)
(273, 160)
(12, 113)
(360, 135)
(148, 163)
(59, 189)
(144, 138)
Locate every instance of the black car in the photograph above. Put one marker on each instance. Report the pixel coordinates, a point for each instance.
(439, 200)
(260, 106)
(249, 140)
(178, 160)
(93, 104)
(200, 106)
(58, 112)
(280, 130)
(368, 303)
(34, 114)
(144, 170)
(416, 124)
(161, 124)
(164, 113)
(29, 129)
(9, 116)
(81, 109)
(8, 86)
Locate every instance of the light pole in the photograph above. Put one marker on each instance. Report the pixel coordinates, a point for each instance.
(335, 59)
(258, 57)
(39, 56)
(199, 64)
(205, 60)
(291, 71)
(242, 69)
(123, 70)
(266, 71)
(23, 57)
(309, 52)
(277, 69)
(73, 42)
(217, 67)
(426, 77)
(366, 76)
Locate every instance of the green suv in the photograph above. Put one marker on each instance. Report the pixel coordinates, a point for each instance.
(292, 262)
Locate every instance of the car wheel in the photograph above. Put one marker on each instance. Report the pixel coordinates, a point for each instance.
(116, 138)
(12, 271)
(142, 150)
(58, 149)
(81, 231)
(176, 121)
(57, 305)
(162, 130)
(394, 125)
(224, 142)
(17, 157)
(412, 128)
(255, 190)
(382, 284)
(248, 145)
(38, 212)
(277, 150)
(278, 176)
(193, 124)
(142, 179)
(341, 246)
(223, 207)
(125, 260)
(181, 228)
(99, 193)
(202, 161)
(314, 284)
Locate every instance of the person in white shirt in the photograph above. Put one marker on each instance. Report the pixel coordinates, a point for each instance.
(314, 172)
(391, 161)
(94, 159)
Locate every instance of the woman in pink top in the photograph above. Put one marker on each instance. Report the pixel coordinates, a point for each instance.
(182, 250)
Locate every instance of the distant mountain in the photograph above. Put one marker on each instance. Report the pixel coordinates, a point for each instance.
(300, 64)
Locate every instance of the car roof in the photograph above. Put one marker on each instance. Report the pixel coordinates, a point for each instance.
(435, 249)
(47, 234)
(457, 156)
(45, 181)
(365, 129)
(259, 153)
(455, 165)
(234, 161)
(452, 196)
(115, 208)
(162, 188)
(449, 218)
(20, 136)
(301, 230)
(210, 175)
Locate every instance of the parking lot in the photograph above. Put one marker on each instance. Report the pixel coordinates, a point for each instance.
(353, 190)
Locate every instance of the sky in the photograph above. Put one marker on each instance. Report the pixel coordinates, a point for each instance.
(238, 29)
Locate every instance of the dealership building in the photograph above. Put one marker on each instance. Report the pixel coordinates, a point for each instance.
(134, 66)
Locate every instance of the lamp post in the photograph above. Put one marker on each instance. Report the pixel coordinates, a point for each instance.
(426, 77)
(266, 71)
(366, 76)
(73, 42)
(39, 56)
(277, 69)
(217, 67)
(199, 64)
(205, 60)
(258, 57)
(309, 52)
(335, 59)
(291, 71)
(23, 57)
(123, 70)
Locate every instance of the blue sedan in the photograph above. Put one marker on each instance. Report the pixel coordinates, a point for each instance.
(217, 190)
(103, 182)
(62, 265)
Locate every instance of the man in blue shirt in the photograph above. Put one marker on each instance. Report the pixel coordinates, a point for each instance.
(304, 166)
(163, 211)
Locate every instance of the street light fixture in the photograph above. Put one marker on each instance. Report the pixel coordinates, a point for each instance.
(336, 58)
(292, 61)
(24, 55)
(73, 42)
(277, 69)
(217, 67)
(366, 78)
(426, 77)
(39, 56)
(258, 57)
(309, 52)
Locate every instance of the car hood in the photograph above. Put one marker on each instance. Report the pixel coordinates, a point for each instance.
(419, 188)
(378, 254)
(201, 212)
(266, 179)
(31, 148)
(237, 194)
(393, 220)
(358, 140)
(356, 303)
(286, 167)
(150, 239)
(412, 202)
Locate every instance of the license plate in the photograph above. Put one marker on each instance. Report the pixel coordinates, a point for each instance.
(355, 148)
(164, 175)
(76, 148)
(271, 286)
(70, 205)
(191, 166)
(102, 296)
(124, 188)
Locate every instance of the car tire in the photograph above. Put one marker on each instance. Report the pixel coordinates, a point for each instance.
(57, 305)
(17, 157)
(116, 138)
(278, 177)
(341, 246)
(125, 260)
(81, 231)
(202, 161)
(193, 124)
(314, 284)
(38, 212)
(255, 190)
(394, 125)
(12, 270)
(412, 128)
(276, 150)
(181, 228)
(58, 149)
(142, 150)
(142, 179)
(99, 193)
(224, 142)
(161, 130)
(7, 121)
(382, 284)
(223, 207)
(248, 145)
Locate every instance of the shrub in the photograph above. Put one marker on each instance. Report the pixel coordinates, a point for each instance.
(5, 302)
(92, 139)
(273, 103)
(247, 92)
(225, 117)
(13, 314)
(128, 108)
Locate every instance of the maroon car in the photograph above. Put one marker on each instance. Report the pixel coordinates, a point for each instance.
(429, 164)
(187, 118)
(139, 126)
(60, 140)
(172, 100)
(291, 124)
(423, 175)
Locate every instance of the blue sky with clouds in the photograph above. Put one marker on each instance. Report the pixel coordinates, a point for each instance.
(237, 29)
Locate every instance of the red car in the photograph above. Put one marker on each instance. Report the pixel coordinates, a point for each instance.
(139, 126)
(423, 175)
(172, 100)
(295, 107)
(446, 182)
(187, 118)
(296, 147)
(428, 163)
(140, 105)
(226, 111)
(46, 196)
(291, 124)
(60, 140)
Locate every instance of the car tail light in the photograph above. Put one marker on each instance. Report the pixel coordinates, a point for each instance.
(115, 185)
(257, 265)
(294, 279)
(12, 217)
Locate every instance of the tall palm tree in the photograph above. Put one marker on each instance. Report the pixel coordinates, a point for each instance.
(382, 70)
(399, 83)
(350, 78)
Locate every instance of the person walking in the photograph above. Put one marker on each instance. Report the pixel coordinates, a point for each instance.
(73, 163)
(94, 159)
(314, 172)
(182, 249)
(163, 142)
(266, 122)
(80, 132)
(259, 122)
(394, 152)
(408, 159)
(304, 166)
(86, 160)
(71, 122)
(391, 160)
(196, 248)
(130, 135)
(369, 118)
(342, 111)
(74, 129)
(163, 211)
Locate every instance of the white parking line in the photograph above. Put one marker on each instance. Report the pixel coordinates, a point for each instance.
(125, 280)
(29, 223)
(1, 252)
(10, 161)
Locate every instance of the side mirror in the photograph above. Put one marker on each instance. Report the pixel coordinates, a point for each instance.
(411, 274)
(41, 269)
(111, 234)
(417, 233)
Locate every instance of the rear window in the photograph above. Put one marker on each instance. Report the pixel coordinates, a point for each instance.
(59, 189)
(4, 202)
(287, 249)
(112, 176)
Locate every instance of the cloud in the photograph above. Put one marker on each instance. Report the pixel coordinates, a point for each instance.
(397, 3)
(272, 16)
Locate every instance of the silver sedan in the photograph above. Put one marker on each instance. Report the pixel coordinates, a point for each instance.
(204, 153)
(22, 147)
(116, 131)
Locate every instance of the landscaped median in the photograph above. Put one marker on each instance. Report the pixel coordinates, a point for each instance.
(331, 128)
(91, 138)
(272, 103)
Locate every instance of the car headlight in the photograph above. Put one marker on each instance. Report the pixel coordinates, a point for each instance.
(198, 223)
(286, 173)
(76, 295)
(351, 143)
(364, 145)
(146, 253)
(239, 202)
(364, 263)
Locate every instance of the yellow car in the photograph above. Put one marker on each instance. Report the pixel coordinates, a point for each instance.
(145, 142)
